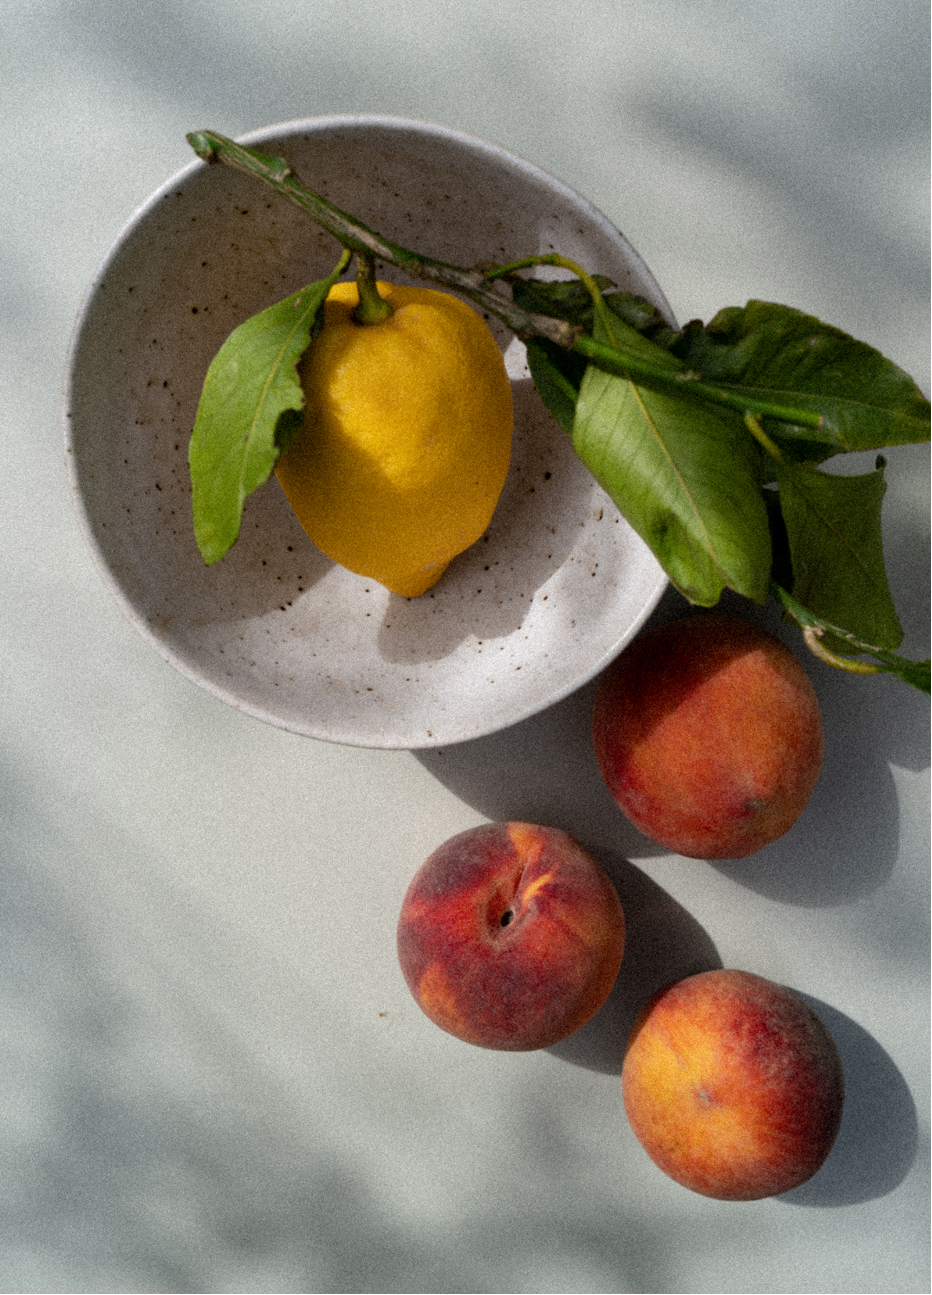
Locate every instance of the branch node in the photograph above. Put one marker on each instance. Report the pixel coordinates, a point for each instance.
(813, 635)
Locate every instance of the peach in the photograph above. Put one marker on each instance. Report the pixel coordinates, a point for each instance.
(709, 736)
(510, 936)
(733, 1085)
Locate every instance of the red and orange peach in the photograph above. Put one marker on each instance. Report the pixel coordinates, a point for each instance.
(733, 1085)
(510, 936)
(708, 734)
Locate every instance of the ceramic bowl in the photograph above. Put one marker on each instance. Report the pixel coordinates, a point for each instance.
(554, 590)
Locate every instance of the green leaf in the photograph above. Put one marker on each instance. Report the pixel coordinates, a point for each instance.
(917, 673)
(789, 358)
(557, 382)
(836, 550)
(633, 342)
(641, 315)
(685, 477)
(567, 299)
(248, 413)
(816, 630)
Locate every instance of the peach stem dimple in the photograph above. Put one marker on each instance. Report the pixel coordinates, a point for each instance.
(506, 897)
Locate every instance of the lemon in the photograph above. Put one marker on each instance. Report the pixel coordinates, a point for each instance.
(406, 437)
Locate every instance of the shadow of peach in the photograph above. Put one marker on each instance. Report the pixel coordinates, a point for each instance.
(846, 841)
(542, 770)
(842, 847)
(877, 1141)
(664, 943)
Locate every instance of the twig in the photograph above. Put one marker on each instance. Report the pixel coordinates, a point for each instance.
(474, 284)
(353, 234)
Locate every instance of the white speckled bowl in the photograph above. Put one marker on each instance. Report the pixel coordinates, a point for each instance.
(553, 592)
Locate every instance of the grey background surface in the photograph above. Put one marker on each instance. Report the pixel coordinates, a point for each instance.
(213, 1077)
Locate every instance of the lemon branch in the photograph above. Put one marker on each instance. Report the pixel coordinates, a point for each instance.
(819, 392)
(475, 284)
(620, 360)
(357, 237)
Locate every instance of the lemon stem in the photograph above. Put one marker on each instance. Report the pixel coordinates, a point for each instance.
(372, 308)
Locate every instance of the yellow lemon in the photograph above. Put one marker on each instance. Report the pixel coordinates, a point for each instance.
(406, 438)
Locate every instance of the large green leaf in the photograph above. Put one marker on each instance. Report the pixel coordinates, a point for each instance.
(769, 353)
(685, 477)
(247, 412)
(557, 374)
(779, 354)
(836, 550)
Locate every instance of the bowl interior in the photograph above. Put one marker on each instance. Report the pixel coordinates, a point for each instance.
(551, 593)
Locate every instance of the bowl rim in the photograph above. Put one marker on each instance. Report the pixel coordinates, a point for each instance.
(256, 138)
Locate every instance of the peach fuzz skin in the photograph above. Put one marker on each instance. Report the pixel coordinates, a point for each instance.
(733, 1085)
(709, 736)
(510, 936)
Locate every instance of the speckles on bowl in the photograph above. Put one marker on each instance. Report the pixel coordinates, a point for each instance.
(534, 609)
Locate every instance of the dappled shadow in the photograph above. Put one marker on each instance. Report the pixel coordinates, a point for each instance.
(158, 1150)
(152, 1145)
(794, 170)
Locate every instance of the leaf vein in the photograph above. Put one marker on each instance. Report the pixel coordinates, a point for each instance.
(655, 431)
